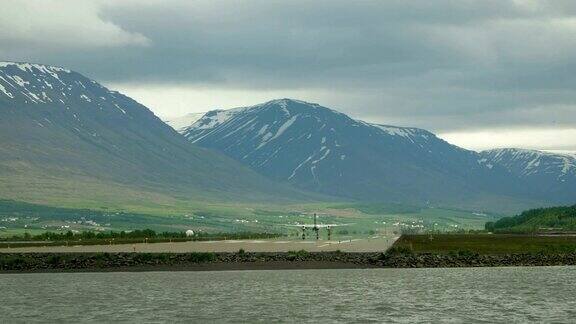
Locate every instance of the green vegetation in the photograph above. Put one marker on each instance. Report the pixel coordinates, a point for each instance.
(137, 236)
(553, 219)
(483, 244)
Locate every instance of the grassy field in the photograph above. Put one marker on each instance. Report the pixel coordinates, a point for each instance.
(485, 243)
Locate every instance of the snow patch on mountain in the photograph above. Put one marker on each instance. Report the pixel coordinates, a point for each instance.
(299, 166)
(397, 131)
(280, 131)
(3, 89)
(214, 119)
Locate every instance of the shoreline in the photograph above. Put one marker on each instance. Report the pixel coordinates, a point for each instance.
(141, 262)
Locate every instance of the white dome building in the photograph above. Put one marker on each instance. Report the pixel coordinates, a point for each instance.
(189, 233)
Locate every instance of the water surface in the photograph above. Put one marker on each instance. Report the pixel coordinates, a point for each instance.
(481, 295)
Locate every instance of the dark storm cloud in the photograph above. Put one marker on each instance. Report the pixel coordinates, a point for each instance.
(441, 64)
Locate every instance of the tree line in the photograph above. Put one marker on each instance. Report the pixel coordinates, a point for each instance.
(136, 234)
(539, 219)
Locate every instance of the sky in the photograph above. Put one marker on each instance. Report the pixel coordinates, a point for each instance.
(481, 74)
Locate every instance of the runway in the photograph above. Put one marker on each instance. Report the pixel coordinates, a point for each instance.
(373, 244)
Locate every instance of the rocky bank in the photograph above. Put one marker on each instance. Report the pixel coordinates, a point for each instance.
(56, 262)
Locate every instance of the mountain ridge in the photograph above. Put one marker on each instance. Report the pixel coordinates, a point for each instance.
(319, 149)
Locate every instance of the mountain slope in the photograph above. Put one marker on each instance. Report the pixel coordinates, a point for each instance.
(65, 136)
(319, 149)
(550, 174)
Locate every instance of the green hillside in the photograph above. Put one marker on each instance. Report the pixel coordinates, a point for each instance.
(537, 220)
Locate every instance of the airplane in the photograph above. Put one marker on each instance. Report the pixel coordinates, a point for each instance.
(316, 228)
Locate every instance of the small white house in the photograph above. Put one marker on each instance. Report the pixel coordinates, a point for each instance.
(189, 233)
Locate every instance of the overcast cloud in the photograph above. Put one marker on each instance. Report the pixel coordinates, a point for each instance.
(500, 70)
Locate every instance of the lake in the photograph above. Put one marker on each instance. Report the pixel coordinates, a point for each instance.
(483, 295)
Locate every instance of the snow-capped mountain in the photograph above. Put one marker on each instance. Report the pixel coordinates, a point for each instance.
(528, 163)
(547, 172)
(317, 148)
(181, 123)
(64, 134)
